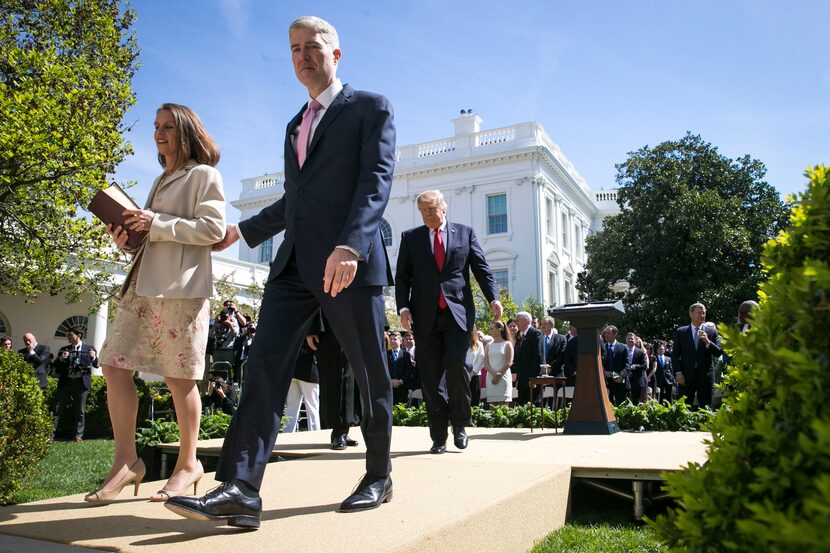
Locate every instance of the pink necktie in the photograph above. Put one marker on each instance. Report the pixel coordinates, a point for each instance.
(305, 130)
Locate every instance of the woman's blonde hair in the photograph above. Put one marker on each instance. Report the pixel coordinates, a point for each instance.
(194, 140)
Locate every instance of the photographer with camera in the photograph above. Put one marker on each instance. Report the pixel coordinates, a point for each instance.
(218, 398)
(73, 367)
(241, 347)
(225, 332)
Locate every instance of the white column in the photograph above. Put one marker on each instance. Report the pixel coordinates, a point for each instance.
(97, 330)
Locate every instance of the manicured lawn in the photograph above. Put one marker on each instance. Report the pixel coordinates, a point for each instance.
(601, 523)
(69, 468)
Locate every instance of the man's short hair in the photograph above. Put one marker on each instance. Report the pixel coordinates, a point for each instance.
(431, 196)
(77, 331)
(612, 328)
(524, 315)
(747, 306)
(631, 334)
(696, 306)
(394, 333)
(547, 319)
(326, 30)
(5, 339)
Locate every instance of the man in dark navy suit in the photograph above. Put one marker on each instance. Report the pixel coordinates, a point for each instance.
(615, 365)
(401, 370)
(435, 301)
(339, 157)
(693, 357)
(37, 355)
(74, 367)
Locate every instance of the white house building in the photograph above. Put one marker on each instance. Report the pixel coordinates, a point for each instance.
(530, 208)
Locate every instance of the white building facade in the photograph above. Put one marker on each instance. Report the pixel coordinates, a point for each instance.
(529, 207)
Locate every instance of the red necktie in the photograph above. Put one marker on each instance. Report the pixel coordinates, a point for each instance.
(439, 252)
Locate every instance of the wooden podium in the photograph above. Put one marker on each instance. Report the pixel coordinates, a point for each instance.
(591, 410)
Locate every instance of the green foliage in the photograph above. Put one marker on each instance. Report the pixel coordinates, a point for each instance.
(163, 431)
(687, 215)
(65, 78)
(593, 538)
(69, 468)
(648, 416)
(98, 423)
(534, 307)
(484, 316)
(25, 423)
(766, 485)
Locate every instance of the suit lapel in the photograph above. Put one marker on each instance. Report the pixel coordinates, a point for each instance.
(290, 150)
(331, 113)
(163, 182)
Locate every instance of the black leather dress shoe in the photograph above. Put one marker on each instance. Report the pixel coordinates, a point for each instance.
(369, 494)
(460, 438)
(350, 442)
(338, 443)
(227, 502)
(438, 447)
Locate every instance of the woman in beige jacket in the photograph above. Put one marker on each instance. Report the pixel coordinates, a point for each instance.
(161, 326)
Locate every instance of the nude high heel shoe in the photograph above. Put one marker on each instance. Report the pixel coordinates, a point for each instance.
(135, 474)
(164, 494)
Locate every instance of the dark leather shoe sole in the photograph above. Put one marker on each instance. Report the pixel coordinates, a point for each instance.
(385, 498)
(438, 450)
(338, 446)
(239, 521)
(350, 442)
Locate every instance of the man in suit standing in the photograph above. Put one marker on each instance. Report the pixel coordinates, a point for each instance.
(553, 346)
(401, 370)
(339, 158)
(693, 357)
(571, 357)
(664, 376)
(528, 356)
(433, 294)
(37, 355)
(615, 365)
(74, 367)
(637, 367)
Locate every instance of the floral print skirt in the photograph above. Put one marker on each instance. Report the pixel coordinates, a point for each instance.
(160, 336)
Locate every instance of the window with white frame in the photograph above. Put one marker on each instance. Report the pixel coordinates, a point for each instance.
(386, 232)
(549, 217)
(569, 289)
(496, 213)
(502, 278)
(553, 285)
(564, 230)
(266, 250)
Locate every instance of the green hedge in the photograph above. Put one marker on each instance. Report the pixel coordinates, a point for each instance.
(165, 431)
(97, 415)
(25, 424)
(766, 485)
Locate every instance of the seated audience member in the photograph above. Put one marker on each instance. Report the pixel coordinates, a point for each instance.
(73, 366)
(218, 397)
(498, 357)
(5, 343)
(37, 355)
(402, 373)
(304, 388)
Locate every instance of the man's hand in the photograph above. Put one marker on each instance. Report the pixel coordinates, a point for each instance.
(396, 383)
(312, 341)
(406, 320)
(701, 334)
(497, 309)
(231, 236)
(92, 354)
(64, 354)
(341, 267)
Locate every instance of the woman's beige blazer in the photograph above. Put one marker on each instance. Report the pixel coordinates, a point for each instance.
(174, 261)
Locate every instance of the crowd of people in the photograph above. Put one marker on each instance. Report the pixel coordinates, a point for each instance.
(329, 270)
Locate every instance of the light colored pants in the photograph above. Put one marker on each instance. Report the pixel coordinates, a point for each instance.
(298, 391)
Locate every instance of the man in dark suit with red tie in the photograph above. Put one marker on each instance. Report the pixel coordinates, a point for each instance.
(339, 158)
(432, 290)
(693, 357)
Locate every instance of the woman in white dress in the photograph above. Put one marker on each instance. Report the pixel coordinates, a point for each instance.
(474, 362)
(498, 356)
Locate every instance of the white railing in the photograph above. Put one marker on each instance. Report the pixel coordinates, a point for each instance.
(436, 148)
(605, 196)
(495, 137)
(269, 181)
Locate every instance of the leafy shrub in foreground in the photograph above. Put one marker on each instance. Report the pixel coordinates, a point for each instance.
(766, 485)
(25, 423)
